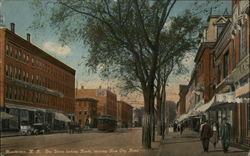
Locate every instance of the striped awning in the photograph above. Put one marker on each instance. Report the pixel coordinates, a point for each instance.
(61, 117)
(4, 115)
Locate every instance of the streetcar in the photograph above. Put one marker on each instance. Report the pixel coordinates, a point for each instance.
(106, 123)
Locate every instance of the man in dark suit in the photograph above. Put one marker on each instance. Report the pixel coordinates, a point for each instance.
(205, 135)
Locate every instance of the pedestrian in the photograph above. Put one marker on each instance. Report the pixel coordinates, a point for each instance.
(181, 128)
(215, 137)
(87, 123)
(205, 135)
(225, 134)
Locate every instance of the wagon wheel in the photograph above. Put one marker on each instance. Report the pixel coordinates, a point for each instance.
(28, 132)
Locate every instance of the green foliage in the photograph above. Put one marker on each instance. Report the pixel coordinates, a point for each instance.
(128, 38)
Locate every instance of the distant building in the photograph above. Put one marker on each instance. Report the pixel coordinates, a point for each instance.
(107, 100)
(124, 114)
(137, 117)
(34, 86)
(181, 105)
(86, 112)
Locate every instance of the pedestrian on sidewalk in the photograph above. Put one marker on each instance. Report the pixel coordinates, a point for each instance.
(215, 137)
(205, 135)
(225, 134)
(181, 128)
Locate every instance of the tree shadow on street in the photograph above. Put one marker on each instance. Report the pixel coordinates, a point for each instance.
(187, 141)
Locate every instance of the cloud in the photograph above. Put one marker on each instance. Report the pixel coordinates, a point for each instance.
(57, 48)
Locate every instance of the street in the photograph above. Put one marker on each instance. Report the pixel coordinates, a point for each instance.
(121, 142)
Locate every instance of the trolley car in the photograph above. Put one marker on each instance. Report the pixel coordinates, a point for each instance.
(106, 123)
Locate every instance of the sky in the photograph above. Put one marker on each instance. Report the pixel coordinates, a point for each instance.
(20, 13)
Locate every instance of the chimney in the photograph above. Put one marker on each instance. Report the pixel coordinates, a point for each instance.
(28, 37)
(12, 27)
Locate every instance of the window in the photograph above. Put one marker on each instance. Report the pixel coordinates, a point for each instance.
(27, 76)
(32, 78)
(19, 55)
(248, 115)
(10, 70)
(219, 30)
(243, 40)
(6, 70)
(15, 72)
(14, 53)
(24, 75)
(225, 65)
(218, 74)
(19, 74)
(24, 56)
(7, 91)
(10, 93)
(15, 93)
(10, 51)
(234, 55)
(27, 58)
(7, 49)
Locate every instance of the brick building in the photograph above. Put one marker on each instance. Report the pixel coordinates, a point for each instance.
(107, 101)
(34, 86)
(124, 114)
(86, 110)
(181, 105)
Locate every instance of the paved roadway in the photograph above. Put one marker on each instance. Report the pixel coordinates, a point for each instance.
(121, 142)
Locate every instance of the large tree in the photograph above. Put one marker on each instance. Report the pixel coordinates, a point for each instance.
(128, 37)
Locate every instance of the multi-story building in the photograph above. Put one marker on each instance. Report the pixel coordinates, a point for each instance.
(181, 105)
(124, 114)
(86, 112)
(34, 86)
(239, 73)
(107, 100)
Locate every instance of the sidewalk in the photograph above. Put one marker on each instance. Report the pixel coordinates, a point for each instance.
(8, 134)
(189, 144)
(15, 133)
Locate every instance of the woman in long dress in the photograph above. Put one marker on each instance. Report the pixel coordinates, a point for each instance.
(215, 137)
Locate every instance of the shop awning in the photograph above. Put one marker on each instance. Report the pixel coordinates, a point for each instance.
(4, 115)
(229, 97)
(36, 87)
(203, 108)
(61, 117)
(243, 91)
(10, 105)
(183, 117)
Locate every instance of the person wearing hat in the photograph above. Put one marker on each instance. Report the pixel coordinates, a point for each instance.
(205, 135)
(225, 134)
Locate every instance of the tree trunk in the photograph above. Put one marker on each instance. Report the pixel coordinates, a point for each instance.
(147, 118)
(159, 110)
(153, 125)
(163, 103)
(146, 131)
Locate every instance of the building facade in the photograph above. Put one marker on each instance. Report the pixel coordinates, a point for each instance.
(124, 114)
(240, 75)
(181, 105)
(107, 100)
(86, 112)
(224, 81)
(33, 84)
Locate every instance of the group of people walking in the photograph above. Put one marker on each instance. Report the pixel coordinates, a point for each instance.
(213, 132)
